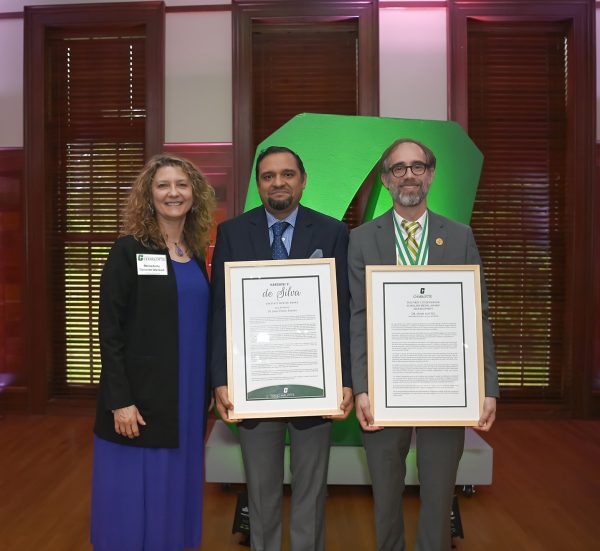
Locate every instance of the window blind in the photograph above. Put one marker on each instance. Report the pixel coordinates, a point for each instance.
(299, 68)
(517, 94)
(96, 131)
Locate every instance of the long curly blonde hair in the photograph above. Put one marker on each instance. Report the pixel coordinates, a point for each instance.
(140, 218)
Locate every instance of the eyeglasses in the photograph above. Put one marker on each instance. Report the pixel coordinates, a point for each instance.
(417, 169)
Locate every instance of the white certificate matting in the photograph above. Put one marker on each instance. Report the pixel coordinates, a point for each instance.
(425, 345)
(283, 338)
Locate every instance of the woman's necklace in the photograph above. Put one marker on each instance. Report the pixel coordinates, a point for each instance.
(178, 249)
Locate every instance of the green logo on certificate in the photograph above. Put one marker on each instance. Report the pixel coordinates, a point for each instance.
(281, 392)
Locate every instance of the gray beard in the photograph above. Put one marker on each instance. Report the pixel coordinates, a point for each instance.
(279, 205)
(408, 200)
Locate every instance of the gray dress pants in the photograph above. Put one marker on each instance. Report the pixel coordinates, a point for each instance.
(439, 450)
(263, 453)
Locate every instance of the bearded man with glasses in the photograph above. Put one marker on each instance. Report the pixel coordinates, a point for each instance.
(410, 234)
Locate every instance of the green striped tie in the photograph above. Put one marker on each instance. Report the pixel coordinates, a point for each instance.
(411, 238)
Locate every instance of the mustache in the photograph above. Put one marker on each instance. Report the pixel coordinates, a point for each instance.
(277, 190)
(411, 182)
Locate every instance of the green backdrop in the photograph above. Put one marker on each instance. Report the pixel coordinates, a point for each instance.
(340, 151)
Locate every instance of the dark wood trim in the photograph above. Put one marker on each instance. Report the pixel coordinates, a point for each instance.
(583, 272)
(595, 200)
(407, 4)
(168, 9)
(595, 406)
(14, 399)
(245, 12)
(36, 212)
(15, 377)
(11, 160)
(155, 78)
(581, 12)
(205, 8)
(209, 146)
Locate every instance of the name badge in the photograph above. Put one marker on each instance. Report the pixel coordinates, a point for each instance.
(151, 264)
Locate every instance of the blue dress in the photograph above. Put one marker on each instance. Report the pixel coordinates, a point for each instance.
(150, 499)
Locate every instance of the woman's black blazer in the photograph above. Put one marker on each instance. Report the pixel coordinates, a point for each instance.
(139, 343)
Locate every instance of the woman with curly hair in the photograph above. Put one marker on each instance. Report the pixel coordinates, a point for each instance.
(151, 410)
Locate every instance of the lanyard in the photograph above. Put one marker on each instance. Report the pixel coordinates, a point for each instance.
(404, 255)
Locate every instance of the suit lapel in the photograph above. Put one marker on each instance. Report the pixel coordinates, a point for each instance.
(302, 234)
(436, 239)
(258, 232)
(385, 238)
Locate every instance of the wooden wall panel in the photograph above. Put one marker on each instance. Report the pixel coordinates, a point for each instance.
(247, 15)
(13, 373)
(596, 366)
(215, 160)
(581, 270)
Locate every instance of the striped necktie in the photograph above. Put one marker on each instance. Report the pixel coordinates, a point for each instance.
(278, 250)
(411, 237)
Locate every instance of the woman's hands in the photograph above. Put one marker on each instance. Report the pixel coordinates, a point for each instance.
(127, 420)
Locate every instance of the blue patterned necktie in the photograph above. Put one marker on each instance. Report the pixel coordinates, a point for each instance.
(278, 250)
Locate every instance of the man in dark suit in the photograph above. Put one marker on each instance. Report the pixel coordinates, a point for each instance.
(410, 233)
(279, 229)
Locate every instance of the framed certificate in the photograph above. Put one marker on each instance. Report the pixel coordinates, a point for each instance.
(283, 344)
(424, 332)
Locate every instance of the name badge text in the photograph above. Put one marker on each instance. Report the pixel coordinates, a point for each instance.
(151, 264)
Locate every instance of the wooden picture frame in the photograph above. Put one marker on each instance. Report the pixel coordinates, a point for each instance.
(283, 342)
(425, 345)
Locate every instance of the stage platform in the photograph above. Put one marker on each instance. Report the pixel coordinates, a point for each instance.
(347, 464)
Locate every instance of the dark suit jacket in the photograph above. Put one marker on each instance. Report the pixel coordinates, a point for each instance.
(139, 343)
(246, 238)
(373, 243)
